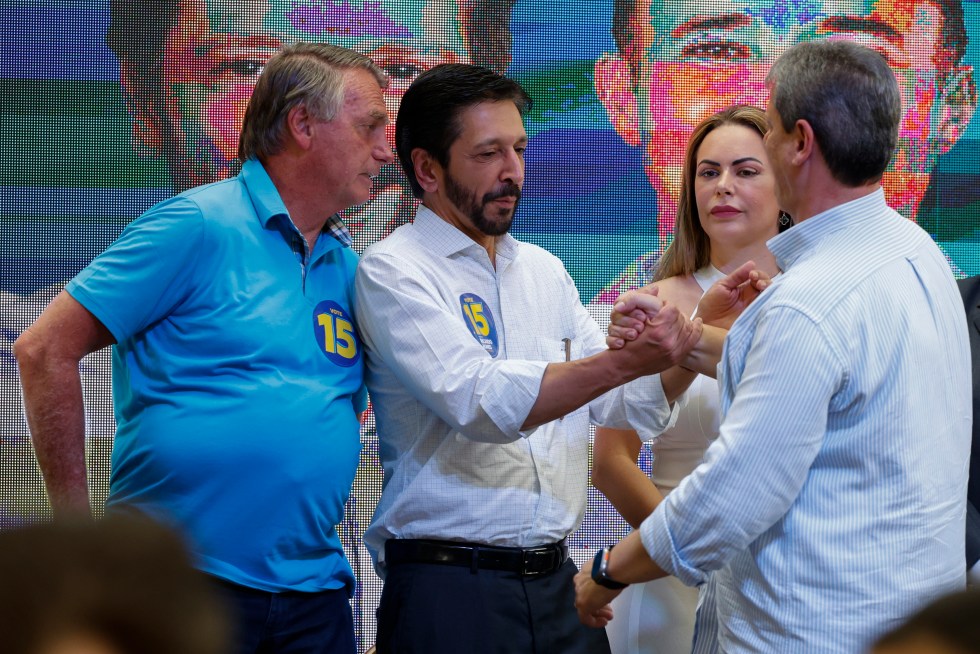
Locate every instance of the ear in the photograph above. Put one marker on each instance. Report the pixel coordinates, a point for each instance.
(144, 109)
(957, 102)
(804, 142)
(301, 126)
(428, 172)
(614, 86)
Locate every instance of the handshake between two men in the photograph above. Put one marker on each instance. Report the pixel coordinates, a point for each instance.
(640, 319)
(648, 336)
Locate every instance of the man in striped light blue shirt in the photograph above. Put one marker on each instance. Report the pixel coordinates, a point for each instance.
(832, 504)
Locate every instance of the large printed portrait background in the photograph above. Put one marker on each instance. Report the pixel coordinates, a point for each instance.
(109, 107)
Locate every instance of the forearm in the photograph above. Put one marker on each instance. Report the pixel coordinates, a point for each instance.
(665, 342)
(675, 381)
(567, 386)
(630, 563)
(617, 476)
(53, 405)
(704, 357)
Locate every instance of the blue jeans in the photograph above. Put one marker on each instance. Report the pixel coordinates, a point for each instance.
(288, 622)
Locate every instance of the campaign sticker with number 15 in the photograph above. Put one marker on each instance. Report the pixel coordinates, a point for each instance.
(334, 330)
(479, 319)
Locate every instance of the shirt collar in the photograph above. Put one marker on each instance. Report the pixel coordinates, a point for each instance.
(801, 239)
(269, 205)
(446, 240)
(263, 193)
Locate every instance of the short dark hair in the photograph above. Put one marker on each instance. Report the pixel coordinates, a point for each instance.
(952, 46)
(950, 620)
(429, 114)
(849, 96)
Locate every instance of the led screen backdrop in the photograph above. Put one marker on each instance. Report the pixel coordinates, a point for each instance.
(107, 110)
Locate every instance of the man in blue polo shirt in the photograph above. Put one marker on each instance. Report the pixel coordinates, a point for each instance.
(237, 372)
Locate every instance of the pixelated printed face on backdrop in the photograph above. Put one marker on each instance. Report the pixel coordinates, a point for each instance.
(690, 58)
(214, 54)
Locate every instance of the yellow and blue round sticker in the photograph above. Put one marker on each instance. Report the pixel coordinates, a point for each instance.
(479, 319)
(335, 334)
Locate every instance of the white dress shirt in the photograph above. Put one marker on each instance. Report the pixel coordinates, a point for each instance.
(456, 349)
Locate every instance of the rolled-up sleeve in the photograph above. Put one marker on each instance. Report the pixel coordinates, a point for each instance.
(408, 328)
(640, 405)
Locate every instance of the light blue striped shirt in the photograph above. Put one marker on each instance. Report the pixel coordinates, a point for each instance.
(832, 503)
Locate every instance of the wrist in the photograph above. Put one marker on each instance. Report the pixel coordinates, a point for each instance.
(626, 364)
(600, 570)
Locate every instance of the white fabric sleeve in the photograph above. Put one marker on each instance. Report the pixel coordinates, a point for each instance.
(408, 328)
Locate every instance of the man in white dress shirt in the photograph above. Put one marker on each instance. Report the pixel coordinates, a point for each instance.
(484, 369)
(832, 504)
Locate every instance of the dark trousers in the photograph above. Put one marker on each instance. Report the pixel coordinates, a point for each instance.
(441, 609)
(288, 622)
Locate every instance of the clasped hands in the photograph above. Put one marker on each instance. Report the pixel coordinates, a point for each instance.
(642, 312)
(639, 315)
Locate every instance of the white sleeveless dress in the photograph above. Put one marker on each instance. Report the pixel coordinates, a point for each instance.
(658, 617)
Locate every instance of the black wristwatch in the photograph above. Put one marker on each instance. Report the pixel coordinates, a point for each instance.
(600, 570)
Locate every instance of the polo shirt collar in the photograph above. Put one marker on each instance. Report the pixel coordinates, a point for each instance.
(269, 205)
(265, 198)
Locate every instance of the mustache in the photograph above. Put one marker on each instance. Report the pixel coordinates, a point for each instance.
(507, 190)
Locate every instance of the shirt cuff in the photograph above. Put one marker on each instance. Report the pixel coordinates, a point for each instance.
(657, 540)
(647, 409)
(511, 394)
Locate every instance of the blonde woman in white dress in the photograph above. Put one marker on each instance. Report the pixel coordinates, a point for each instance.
(726, 213)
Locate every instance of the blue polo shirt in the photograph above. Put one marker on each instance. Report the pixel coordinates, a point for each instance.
(237, 375)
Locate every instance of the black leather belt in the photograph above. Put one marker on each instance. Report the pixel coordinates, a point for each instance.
(528, 562)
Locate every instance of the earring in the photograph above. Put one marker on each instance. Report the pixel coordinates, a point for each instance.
(784, 219)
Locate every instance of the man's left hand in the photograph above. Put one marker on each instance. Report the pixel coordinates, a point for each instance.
(592, 600)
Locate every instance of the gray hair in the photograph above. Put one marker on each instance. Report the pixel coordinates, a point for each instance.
(849, 96)
(310, 74)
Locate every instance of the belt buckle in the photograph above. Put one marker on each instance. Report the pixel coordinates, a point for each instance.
(530, 556)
